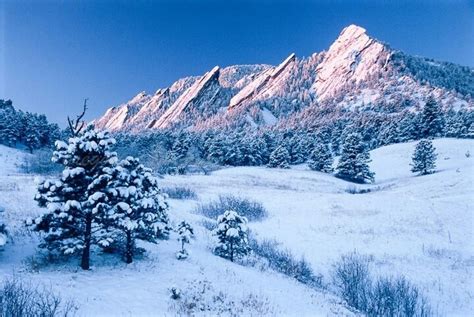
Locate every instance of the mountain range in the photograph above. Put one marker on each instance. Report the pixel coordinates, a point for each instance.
(356, 73)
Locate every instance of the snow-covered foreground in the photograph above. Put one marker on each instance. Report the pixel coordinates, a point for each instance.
(113, 288)
(421, 227)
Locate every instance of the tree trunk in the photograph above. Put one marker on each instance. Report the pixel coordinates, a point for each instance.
(129, 250)
(231, 251)
(85, 265)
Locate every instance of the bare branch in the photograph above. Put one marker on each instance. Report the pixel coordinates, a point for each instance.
(78, 124)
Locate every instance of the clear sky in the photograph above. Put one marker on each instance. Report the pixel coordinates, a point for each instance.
(53, 54)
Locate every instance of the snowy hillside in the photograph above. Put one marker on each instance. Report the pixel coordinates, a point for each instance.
(418, 226)
(357, 72)
(106, 289)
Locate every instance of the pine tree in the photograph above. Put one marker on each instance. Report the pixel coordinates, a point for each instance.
(32, 133)
(353, 163)
(185, 234)
(180, 147)
(77, 202)
(432, 119)
(217, 149)
(424, 158)
(9, 128)
(138, 209)
(231, 233)
(249, 149)
(321, 158)
(232, 150)
(279, 158)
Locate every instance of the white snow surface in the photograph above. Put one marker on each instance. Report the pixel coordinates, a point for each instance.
(418, 226)
(112, 288)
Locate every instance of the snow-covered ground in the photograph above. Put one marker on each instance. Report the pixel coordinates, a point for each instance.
(421, 227)
(113, 288)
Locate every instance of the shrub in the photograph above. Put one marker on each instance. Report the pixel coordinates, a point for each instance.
(354, 190)
(208, 224)
(351, 278)
(382, 297)
(179, 192)
(396, 297)
(200, 297)
(40, 163)
(20, 299)
(250, 209)
(284, 261)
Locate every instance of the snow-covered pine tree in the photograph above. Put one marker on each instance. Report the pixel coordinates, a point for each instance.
(295, 149)
(432, 119)
(279, 158)
(185, 234)
(255, 150)
(321, 158)
(180, 146)
(138, 209)
(232, 236)
(217, 149)
(77, 202)
(454, 125)
(424, 158)
(31, 133)
(354, 161)
(9, 127)
(233, 154)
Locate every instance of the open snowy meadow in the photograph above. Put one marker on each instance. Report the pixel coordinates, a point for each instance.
(420, 227)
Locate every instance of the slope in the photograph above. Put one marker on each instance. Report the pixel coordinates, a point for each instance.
(113, 288)
(419, 227)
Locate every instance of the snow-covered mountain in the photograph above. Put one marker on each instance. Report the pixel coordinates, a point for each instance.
(357, 72)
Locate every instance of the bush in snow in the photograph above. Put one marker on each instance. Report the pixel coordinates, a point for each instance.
(40, 163)
(209, 224)
(179, 192)
(354, 161)
(175, 293)
(248, 208)
(382, 297)
(321, 158)
(396, 297)
(77, 203)
(285, 262)
(21, 299)
(3, 230)
(354, 190)
(201, 298)
(186, 233)
(138, 209)
(279, 158)
(424, 158)
(231, 233)
(352, 280)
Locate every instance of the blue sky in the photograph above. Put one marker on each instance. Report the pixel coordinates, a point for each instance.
(53, 54)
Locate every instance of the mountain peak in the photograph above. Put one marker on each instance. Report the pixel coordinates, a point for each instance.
(352, 31)
(352, 57)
